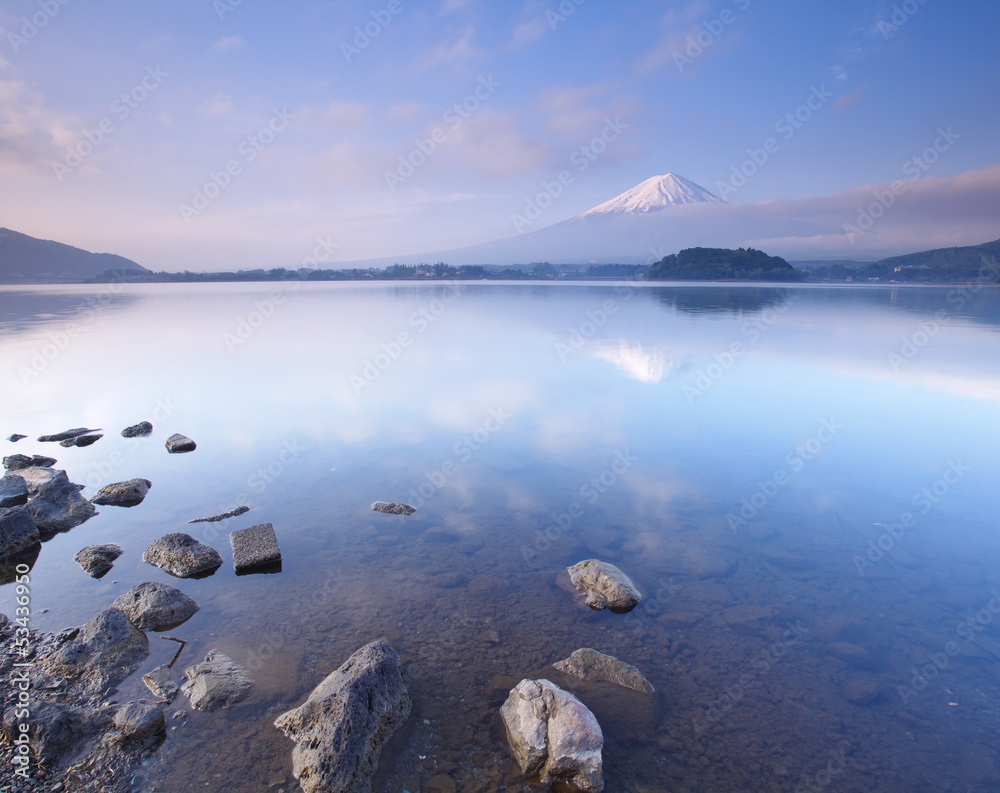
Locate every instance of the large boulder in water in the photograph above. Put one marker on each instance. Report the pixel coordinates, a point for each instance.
(556, 739)
(123, 494)
(101, 654)
(17, 531)
(604, 585)
(177, 443)
(182, 555)
(339, 731)
(58, 506)
(155, 607)
(98, 560)
(13, 490)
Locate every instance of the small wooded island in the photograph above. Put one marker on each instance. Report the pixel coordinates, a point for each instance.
(723, 264)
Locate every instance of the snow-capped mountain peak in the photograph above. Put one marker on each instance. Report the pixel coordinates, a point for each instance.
(656, 193)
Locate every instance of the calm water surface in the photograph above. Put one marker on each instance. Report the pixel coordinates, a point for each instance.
(782, 471)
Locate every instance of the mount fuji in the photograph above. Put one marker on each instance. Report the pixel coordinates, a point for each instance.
(656, 193)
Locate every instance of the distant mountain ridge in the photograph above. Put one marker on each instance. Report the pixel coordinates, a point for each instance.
(969, 257)
(25, 259)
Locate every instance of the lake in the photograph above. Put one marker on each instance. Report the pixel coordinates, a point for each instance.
(802, 481)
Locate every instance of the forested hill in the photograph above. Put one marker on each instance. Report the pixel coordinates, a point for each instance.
(723, 264)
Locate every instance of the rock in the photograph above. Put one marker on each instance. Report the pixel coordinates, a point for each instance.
(851, 654)
(56, 729)
(182, 555)
(140, 430)
(217, 682)
(15, 462)
(861, 692)
(339, 731)
(441, 783)
(592, 666)
(36, 476)
(17, 531)
(66, 435)
(13, 490)
(81, 440)
(16, 437)
(104, 652)
(97, 560)
(123, 494)
(161, 682)
(58, 506)
(605, 586)
(556, 739)
(178, 443)
(233, 513)
(155, 607)
(138, 720)
(254, 546)
(709, 562)
(392, 508)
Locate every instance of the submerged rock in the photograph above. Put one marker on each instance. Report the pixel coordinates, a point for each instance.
(97, 560)
(16, 462)
(391, 508)
(605, 586)
(15, 437)
(123, 494)
(13, 490)
(556, 739)
(339, 731)
(58, 506)
(851, 654)
(254, 547)
(177, 443)
(862, 692)
(67, 435)
(138, 720)
(103, 653)
(155, 607)
(592, 666)
(233, 513)
(140, 430)
(217, 682)
(18, 531)
(81, 440)
(182, 555)
(161, 682)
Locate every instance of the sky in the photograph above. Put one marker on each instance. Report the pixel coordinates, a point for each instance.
(237, 134)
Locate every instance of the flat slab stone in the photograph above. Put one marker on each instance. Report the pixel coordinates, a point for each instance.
(233, 513)
(217, 682)
(392, 508)
(81, 440)
(592, 666)
(161, 682)
(13, 490)
(98, 560)
(254, 547)
(67, 435)
(182, 555)
(123, 494)
(177, 444)
(155, 607)
(16, 462)
(340, 730)
(138, 720)
(15, 437)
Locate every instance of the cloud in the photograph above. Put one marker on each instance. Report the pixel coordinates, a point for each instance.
(351, 115)
(31, 133)
(529, 31)
(571, 111)
(495, 145)
(404, 113)
(228, 43)
(457, 50)
(219, 105)
(677, 26)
